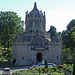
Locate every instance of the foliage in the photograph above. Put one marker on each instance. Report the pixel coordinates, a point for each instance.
(59, 34)
(52, 30)
(74, 68)
(19, 73)
(67, 56)
(10, 24)
(68, 36)
(60, 66)
(7, 54)
(68, 42)
(71, 24)
(55, 70)
(46, 64)
(6, 64)
(56, 73)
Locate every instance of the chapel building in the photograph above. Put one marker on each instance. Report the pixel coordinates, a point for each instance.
(36, 44)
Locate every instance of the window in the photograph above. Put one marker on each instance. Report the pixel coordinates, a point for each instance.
(22, 58)
(36, 24)
(57, 57)
(38, 42)
(30, 25)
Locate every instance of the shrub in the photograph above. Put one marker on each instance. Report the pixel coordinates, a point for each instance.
(46, 64)
(60, 66)
(74, 68)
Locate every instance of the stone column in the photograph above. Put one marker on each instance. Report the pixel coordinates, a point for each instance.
(41, 25)
(33, 25)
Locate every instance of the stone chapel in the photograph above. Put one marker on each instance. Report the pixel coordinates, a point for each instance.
(36, 44)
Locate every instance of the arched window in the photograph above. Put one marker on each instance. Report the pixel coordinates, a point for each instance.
(30, 25)
(37, 24)
(38, 42)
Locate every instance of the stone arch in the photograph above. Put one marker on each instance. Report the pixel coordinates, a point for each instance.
(14, 61)
(38, 41)
(39, 57)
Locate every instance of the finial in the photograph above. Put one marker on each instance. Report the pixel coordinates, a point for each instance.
(35, 6)
(27, 12)
(44, 13)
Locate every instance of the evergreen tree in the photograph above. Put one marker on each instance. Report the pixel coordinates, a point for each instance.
(46, 64)
(52, 30)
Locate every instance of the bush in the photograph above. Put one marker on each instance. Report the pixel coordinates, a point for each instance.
(74, 68)
(56, 73)
(46, 64)
(53, 70)
(60, 66)
(18, 73)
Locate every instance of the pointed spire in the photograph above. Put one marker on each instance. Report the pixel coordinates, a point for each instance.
(35, 6)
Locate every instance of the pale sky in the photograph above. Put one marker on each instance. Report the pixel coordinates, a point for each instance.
(58, 12)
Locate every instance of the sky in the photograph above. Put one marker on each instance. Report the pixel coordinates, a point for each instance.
(58, 12)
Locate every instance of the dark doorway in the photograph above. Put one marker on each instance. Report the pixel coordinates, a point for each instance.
(39, 57)
(14, 61)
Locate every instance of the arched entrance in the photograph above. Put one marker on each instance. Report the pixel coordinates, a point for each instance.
(39, 57)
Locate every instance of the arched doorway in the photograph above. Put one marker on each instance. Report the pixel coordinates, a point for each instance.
(39, 57)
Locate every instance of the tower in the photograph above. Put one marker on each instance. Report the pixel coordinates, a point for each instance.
(35, 20)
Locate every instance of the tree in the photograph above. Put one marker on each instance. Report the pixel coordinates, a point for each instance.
(10, 25)
(71, 24)
(68, 42)
(68, 36)
(74, 68)
(46, 64)
(59, 35)
(67, 56)
(52, 30)
(7, 54)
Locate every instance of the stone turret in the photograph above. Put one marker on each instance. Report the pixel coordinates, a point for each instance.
(35, 20)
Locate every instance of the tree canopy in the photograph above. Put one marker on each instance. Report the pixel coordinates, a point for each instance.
(10, 25)
(71, 24)
(68, 41)
(52, 30)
